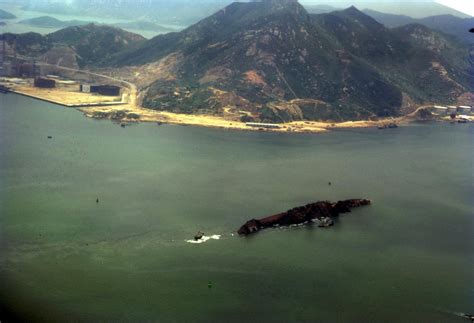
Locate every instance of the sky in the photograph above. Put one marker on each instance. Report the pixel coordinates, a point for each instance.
(466, 7)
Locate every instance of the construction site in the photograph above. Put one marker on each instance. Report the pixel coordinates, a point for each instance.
(56, 84)
(106, 97)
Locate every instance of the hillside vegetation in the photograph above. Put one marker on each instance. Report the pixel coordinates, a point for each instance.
(273, 61)
(279, 63)
(90, 45)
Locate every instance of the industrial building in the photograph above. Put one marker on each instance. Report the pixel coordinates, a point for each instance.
(6, 69)
(452, 109)
(45, 83)
(263, 125)
(88, 88)
(28, 70)
(464, 109)
(109, 90)
(439, 110)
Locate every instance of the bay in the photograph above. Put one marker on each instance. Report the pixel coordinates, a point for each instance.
(408, 257)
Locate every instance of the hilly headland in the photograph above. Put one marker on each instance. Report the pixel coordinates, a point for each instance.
(264, 62)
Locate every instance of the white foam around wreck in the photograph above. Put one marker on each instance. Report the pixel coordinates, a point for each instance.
(205, 238)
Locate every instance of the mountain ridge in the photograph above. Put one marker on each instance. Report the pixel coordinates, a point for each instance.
(6, 15)
(447, 23)
(87, 45)
(273, 61)
(265, 57)
(51, 22)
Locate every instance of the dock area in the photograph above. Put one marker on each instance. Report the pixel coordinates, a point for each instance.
(68, 95)
(64, 99)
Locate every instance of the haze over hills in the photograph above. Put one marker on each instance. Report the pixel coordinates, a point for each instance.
(272, 61)
(186, 12)
(412, 8)
(177, 12)
(448, 24)
(6, 15)
(47, 21)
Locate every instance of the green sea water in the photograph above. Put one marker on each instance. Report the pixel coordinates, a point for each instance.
(63, 257)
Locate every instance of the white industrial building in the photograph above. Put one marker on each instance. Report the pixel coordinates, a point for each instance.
(464, 109)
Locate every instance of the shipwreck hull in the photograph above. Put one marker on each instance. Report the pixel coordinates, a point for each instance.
(321, 213)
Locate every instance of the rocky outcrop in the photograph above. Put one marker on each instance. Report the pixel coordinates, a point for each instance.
(320, 213)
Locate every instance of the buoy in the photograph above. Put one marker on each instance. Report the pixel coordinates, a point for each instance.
(329, 183)
(209, 285)
(97, 201)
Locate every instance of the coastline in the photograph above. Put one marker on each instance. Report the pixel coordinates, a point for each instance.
(62, 103)
(209, 121)
(94, 106)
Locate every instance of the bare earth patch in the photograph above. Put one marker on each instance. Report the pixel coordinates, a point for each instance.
(253, 77)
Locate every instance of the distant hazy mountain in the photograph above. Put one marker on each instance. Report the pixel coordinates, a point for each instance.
(317, 9)
(389, 20)
(279, 63)
(448, 24)
(6, 15)
(143, 25)
(179, 12)
(50, 22)
(452, 25)
(186, 12)
(411, 8)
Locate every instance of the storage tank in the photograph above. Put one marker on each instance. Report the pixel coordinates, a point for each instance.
(110, 90)
(45, 83)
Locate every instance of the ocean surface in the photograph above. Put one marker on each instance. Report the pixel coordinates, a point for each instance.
(407, 258)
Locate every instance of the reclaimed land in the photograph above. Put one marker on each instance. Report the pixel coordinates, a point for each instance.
(67, 98)
(96, 106)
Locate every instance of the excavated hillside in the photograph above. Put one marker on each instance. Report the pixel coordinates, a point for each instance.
(272, 61)
(278, 63)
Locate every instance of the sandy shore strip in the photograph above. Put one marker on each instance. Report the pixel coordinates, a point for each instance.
(96, 106)
(147, 115)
